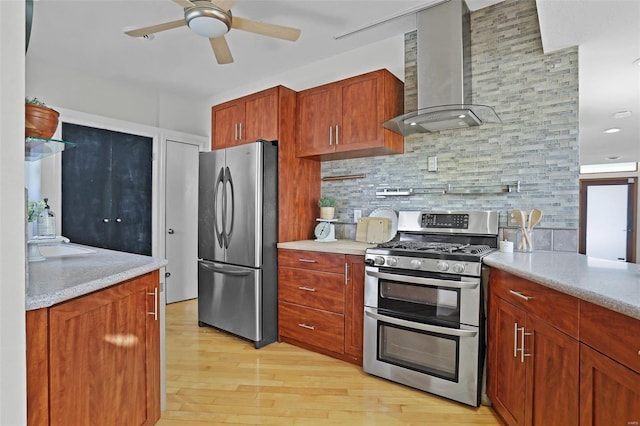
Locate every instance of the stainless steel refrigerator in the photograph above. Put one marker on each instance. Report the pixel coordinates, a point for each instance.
(237, 235)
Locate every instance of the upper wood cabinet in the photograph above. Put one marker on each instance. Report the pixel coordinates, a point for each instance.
(271, 114)
(245, 119)
(344, 119)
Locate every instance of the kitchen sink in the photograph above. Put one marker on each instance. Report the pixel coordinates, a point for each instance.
(57, 247)
(62, 250)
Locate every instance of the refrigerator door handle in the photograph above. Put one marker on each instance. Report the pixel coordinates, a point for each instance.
(219, 232)
(225, 271)
(229, 180)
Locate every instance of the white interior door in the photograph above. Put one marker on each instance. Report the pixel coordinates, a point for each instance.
(607, 221)
(181, 233)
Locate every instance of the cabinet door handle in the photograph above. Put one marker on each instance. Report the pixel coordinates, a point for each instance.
(306, 288)
(515, 340)
(522, 354)
(155, 304)
(308, 327)
(330, 135)
(520, 295)
(307, 260)
(106, 220)
(240, 131)
(118, 220)
(346, 273)
(235, 132)
(337, 138)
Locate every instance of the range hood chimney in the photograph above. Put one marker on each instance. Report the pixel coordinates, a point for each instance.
(444, 74)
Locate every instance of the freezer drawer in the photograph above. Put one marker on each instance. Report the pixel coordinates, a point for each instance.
(230, 298)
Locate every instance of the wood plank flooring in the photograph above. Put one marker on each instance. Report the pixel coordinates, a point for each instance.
(214, 378)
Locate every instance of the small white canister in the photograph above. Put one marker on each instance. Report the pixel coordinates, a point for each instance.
(506, 246)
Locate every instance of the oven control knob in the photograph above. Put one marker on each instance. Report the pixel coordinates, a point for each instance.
(392, 261)
(458, 268)
(443, 266)
(415, 263)
(379, 260)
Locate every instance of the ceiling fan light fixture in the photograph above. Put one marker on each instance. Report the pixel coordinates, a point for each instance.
(208, 20)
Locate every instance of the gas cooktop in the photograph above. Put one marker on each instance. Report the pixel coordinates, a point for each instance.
(436, 247)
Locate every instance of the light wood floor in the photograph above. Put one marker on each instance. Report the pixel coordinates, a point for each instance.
(214, 378)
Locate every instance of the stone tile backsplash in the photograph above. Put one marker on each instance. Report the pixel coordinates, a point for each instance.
(535, 95)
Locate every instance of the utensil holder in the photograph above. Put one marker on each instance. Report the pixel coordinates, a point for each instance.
(525, 240)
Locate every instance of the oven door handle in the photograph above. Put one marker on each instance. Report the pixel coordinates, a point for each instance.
(420, 326)
(464, 284)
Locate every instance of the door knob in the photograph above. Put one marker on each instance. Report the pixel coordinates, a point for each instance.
(170, 231)
(105, 220)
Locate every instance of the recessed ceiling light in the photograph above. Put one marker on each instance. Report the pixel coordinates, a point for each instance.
(612, 130)
(622, 114)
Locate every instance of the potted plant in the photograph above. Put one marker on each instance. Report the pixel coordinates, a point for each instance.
(327, 205)
(39, 120)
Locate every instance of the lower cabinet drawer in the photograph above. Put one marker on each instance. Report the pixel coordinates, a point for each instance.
(613, 334)
(315, 289)
(312, 326)
(558, 309)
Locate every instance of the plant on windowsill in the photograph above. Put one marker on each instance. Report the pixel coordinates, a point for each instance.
(327, 205)
(40, 120)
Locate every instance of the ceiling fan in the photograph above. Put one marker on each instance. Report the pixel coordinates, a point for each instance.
(213, 19)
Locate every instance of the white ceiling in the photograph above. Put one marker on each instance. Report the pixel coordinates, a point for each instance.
(87, 36)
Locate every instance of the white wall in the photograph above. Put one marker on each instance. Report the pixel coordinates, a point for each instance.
(12, 215)
(388, 53)
(65, 88)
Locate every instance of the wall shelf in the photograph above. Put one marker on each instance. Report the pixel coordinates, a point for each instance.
(36, 148)
(451, 190)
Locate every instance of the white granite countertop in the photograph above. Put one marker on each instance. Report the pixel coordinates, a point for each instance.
(58, 279)
(338, 246)
(613, 285)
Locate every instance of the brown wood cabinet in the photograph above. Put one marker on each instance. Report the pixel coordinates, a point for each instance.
(321, 302)
(270, 115)
(344, 119)
(609, 367)
(245, 119)
(533, 360)
(96, 359)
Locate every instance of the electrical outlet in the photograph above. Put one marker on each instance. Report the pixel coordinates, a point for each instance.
(357, 214)
(511, 220)
(432, 164)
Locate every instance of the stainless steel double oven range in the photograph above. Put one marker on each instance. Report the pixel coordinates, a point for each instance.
(424, 319)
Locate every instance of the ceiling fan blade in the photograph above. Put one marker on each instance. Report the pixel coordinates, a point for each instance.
(222, 4)
(156, 28)
(221, 50)
(183, 3)
(262, 28)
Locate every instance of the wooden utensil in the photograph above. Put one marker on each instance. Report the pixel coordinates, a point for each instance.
(534, 218)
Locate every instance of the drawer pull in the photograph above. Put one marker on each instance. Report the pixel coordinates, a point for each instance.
(308, 260)
(306, 288)
(520, 295)
(309, 327)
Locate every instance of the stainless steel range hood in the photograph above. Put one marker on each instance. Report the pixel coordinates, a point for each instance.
(443, 74)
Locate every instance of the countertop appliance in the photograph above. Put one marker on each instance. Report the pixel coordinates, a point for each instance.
(424, 315)
(237, 236)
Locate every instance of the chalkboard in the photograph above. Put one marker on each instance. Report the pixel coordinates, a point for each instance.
(107, 188)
